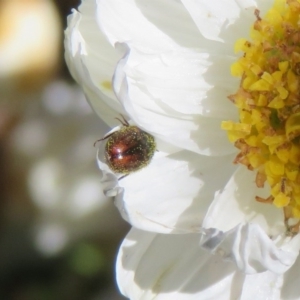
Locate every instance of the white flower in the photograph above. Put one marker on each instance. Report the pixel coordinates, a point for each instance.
(165, 66)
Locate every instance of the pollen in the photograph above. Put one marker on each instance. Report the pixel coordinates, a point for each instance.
(268, 100)
(107, 85)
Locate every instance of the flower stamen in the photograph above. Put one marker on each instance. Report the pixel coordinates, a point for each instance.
(268, 100)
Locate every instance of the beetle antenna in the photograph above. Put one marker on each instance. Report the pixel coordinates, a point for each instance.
(124, 122)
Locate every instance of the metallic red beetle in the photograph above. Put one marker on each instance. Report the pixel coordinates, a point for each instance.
(128, 149)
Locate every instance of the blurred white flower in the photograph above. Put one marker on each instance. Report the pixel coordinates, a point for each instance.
(169, 74)
(63, 181)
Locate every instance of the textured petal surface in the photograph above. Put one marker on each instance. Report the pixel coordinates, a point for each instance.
(92, 60)
(156, 31)
(252, 250)
(260, 244)
(225, 21)
(212, 18)
(262, 286)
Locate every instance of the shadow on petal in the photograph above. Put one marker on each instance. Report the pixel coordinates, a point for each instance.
(290, 289)
(175, 267)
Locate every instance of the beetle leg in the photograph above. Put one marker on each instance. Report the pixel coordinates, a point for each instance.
(123, 177)
(104, 138)
(124, 122)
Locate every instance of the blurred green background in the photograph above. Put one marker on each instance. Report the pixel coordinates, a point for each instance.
(59, 235)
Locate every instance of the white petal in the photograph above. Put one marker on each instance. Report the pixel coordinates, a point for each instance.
(101, 103)
(290, 289)
(162, 267)
(92, 60)
(252, 250)
(237, 204)
(222, 21)
(147, 25)
(184, 81)
(172, 194)
(180, 80)
(262, 286)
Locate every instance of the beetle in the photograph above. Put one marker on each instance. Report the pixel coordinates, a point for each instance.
(128, 149)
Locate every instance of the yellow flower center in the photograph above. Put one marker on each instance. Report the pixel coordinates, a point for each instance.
(268, 100)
